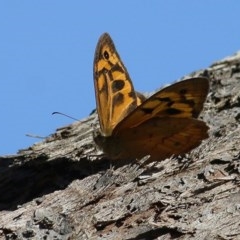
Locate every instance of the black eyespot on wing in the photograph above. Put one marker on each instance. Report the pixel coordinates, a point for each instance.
(166, 100)
(183, 91)
(117, 68)
(106, 55)
(117, 85)
(147, 110)
(132, 94)
(177, 144)
(173, 111)
(118, 99)
(190, 102)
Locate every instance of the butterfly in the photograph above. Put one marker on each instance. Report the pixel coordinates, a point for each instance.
(132, 126)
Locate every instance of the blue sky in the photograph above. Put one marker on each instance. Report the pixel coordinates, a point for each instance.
(47, 49)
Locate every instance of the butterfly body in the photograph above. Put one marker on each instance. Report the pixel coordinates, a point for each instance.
(131, 126)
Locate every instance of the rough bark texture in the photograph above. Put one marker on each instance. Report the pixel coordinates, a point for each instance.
(63, 188)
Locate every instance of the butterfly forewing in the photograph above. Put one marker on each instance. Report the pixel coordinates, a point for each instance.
(184, 99)
(115, 95)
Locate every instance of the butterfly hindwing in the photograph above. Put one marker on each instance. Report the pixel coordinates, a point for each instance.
(183, 99)
(158, 137)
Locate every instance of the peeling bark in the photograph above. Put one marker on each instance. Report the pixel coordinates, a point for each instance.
(64, 188)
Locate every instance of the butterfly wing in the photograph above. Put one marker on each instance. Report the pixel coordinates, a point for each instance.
(183, 99)
(131, 127)
(115, 95)
(158, 137)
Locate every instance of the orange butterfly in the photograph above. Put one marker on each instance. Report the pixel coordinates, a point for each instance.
(131, 126)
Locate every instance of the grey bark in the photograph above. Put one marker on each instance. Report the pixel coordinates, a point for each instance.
(64, 188)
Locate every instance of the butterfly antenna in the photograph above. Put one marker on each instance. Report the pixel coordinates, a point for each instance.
(35, 136)
(65, 115)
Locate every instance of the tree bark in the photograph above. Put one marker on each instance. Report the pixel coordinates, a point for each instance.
(64, 187)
